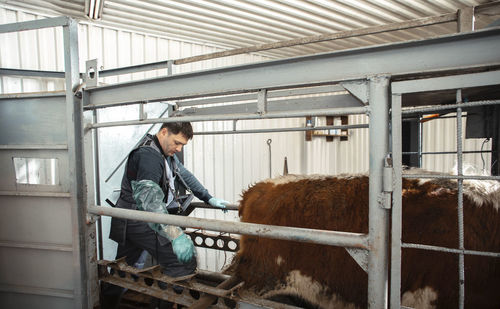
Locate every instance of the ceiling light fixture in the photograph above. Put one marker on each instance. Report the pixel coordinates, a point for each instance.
(93, 9)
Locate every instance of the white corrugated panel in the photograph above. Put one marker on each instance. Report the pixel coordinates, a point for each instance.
(242, 23)
(338, 157)
(440, 135)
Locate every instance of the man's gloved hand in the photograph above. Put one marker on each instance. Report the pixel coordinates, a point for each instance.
(219, 203)
(183, 247)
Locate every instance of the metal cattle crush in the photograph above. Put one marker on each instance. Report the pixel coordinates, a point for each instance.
(376, 77)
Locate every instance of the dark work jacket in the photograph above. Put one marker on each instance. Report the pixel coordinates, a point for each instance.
(147, 161)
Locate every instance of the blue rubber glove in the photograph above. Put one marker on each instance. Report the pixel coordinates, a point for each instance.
(219, 203)
(183, 247)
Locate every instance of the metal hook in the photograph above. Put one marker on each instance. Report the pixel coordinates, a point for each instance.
(269, 141)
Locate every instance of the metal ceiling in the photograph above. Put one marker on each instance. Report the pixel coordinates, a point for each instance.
(240, 23)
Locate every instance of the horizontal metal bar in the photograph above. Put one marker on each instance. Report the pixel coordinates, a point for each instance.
(450, 250)
(34, 147)
(206, 206)
(135, 68)
(444, 152)
(334, 238)
(31, 290)
(35, 193)
(37, 246)
(278, 130)
(438, 176)
(270, 115)
(280, 105)
(270, 95)
(35, 24)
(325, 37)
(449, 107)
(31, 95)
(446, 82)
(458, 51)
(31, 73)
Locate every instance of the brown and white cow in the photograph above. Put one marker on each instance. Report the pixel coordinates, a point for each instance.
(327, 277)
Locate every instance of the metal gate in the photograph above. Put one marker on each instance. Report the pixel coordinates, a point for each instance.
(435, 86)
(43, 193)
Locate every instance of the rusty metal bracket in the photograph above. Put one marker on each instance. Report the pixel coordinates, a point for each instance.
(223, 291)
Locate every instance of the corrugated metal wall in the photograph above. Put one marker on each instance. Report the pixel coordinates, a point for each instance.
(440, 135)
(226, 164)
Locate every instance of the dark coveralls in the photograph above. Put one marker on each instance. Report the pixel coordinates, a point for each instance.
(148, 162)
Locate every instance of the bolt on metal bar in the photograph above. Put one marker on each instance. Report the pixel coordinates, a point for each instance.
(324, 237)
(270, 115)
(450, 250)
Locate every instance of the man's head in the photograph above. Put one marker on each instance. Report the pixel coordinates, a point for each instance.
(173, 135)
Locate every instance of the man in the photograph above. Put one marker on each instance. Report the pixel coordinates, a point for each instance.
(152, 178)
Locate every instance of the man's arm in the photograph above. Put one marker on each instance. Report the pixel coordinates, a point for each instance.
(198, 189)
(149, 197)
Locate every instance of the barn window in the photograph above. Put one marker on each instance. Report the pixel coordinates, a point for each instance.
(36, 171)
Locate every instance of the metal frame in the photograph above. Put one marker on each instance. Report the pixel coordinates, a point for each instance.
(333, 68)
(370, 69)
(456, 82)
(84, 260)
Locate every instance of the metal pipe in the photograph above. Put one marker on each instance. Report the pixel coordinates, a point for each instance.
(324, 237)
(397, 209)
(97, 181)
(31, 73)
(206, 206)
(77, 183)
(460, 197)
(269, 115)
(281, 130)
(378, 215)
(35, 193)
(450, 250)
(446, 152)
(325, 37)
(37, 246)
(34, 147)
(450, 107)
(443, 176)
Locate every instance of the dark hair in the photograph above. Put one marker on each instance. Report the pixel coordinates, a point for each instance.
(179, 127)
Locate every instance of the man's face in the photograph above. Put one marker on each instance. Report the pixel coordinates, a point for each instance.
(171, 143)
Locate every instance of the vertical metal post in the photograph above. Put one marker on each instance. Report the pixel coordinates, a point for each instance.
(420, 140)
(396, 230)
(378, 216)
(465, 20)
(461, 270)
(77, 182)
(97, 180)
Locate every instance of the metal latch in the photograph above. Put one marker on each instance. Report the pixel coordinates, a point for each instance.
(385, 196)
